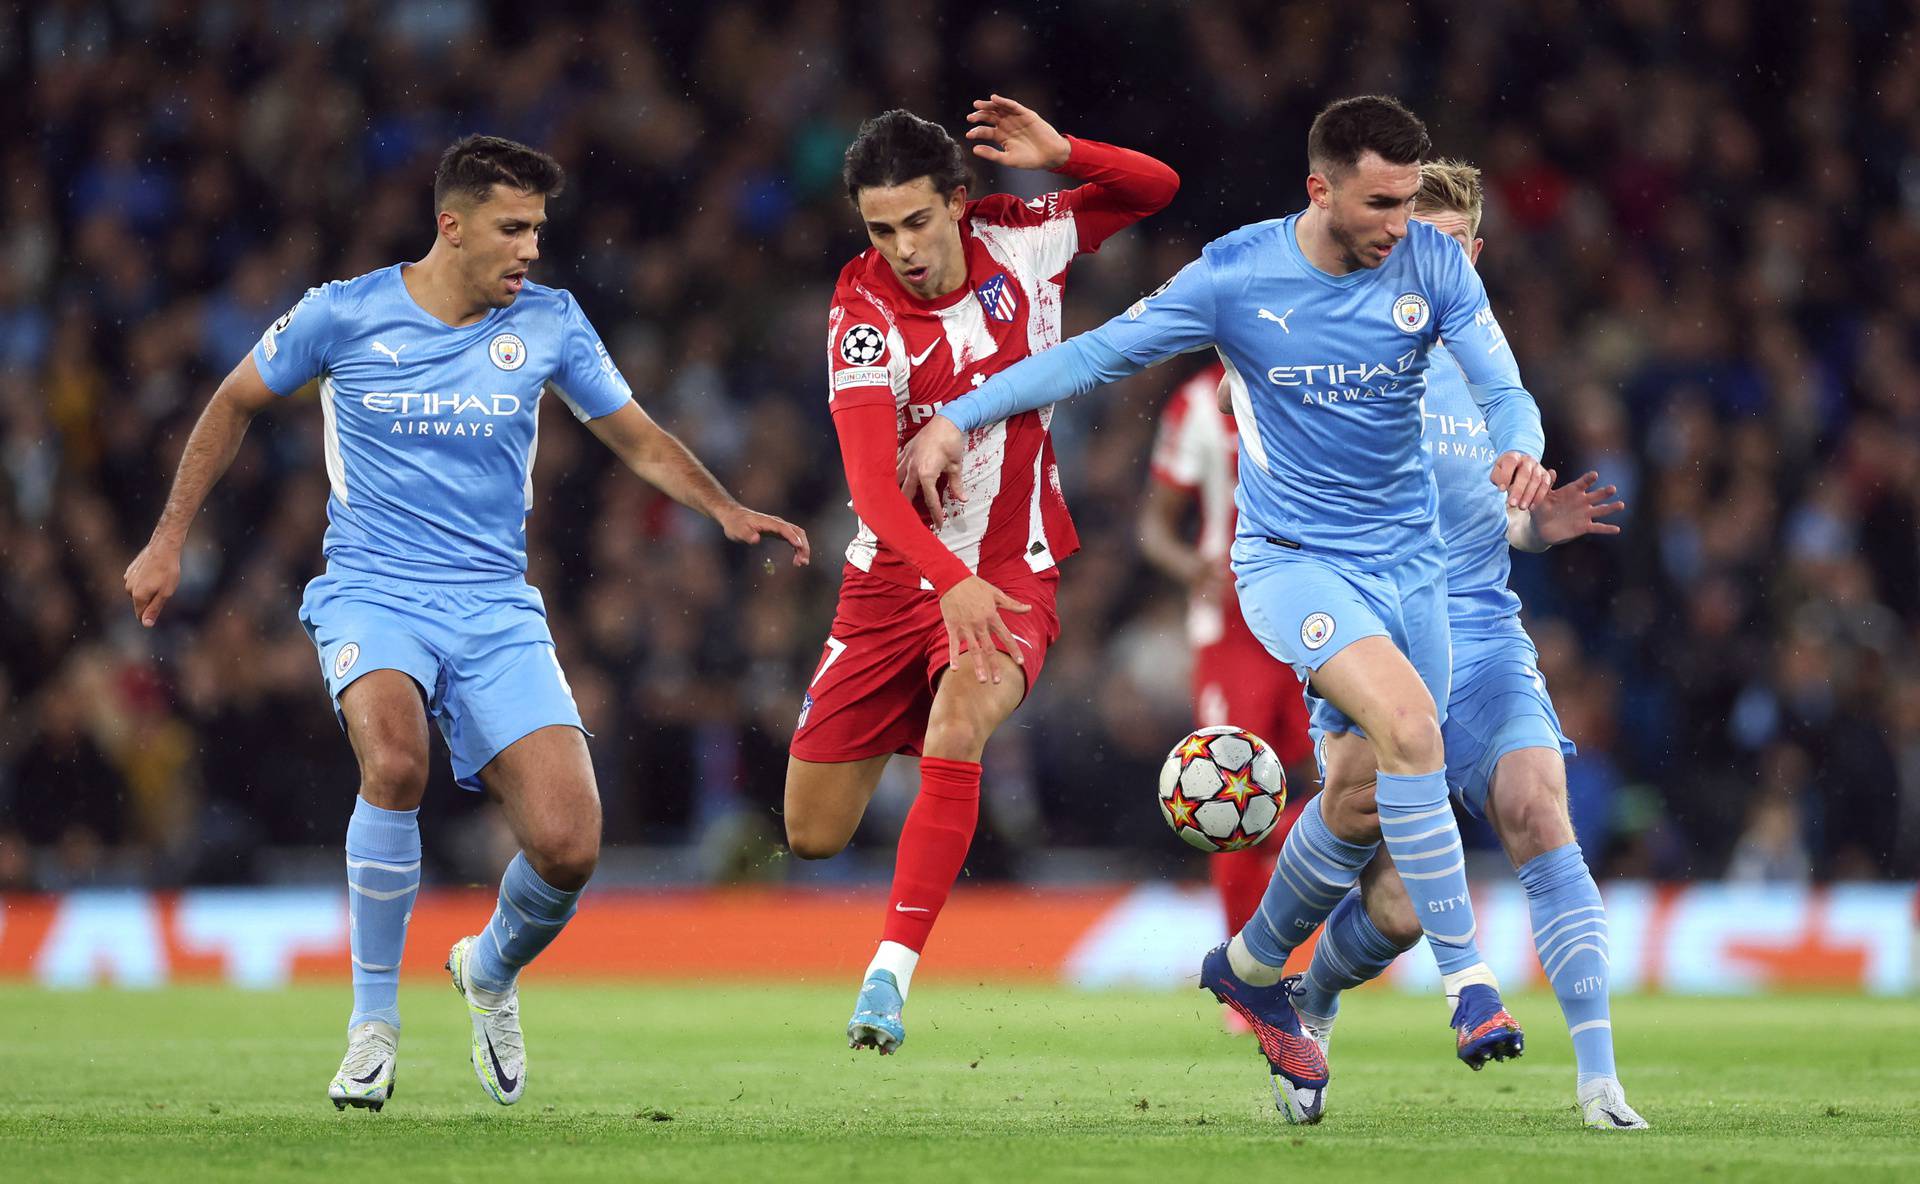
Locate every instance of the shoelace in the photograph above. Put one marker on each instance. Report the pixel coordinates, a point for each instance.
(366, 1054)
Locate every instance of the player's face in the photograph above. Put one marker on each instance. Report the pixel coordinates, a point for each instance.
(1367, 207)
(918, 233)
(1456, 226)
(499, 240)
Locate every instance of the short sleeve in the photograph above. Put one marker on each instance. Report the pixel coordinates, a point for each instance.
(293, 350)
(586, 379)
(1175, 318)
(859, 354)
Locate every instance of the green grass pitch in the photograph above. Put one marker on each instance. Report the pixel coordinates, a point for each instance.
(995, 1083)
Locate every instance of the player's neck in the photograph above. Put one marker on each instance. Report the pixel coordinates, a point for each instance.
(1318, 245)
(434, 283)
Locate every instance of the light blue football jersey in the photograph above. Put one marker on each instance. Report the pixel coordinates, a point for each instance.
(430, 430)
(1327, 374)
(1473, 514)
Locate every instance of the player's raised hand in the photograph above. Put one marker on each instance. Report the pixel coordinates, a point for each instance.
(746, 526)
(934, 452)
(1523, 477)
(971, 611)
(1005, 131)
(1575, 509)
(152, 578)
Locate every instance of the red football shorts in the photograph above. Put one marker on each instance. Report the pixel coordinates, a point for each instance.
(1236, 681)
(874, 685)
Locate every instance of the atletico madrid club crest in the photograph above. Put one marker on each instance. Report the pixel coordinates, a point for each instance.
(996, 296)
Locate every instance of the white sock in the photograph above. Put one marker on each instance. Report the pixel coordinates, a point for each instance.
(1250, 969)
(898, 959)
(1476, 975)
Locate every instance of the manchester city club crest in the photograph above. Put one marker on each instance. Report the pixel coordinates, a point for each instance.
(1316, 631)
(996, 296)
(507, 351)
(1410, 313)
(344, 660)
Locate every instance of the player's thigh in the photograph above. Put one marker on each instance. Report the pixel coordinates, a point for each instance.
(545, 785)
(1374, 684)
(965, 711)
(504, 684)
(825, 801)
(1527, 802)
(386, 721)
(1388, 906)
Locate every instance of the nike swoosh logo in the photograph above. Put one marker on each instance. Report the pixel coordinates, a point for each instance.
(374, 1076)
(500, 1074)
(1023, 641)
(907, 908)
(1615, 1118)
(926, 353)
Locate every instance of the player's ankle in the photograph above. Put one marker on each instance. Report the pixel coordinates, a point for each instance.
(1249, 969)
(1479, 974)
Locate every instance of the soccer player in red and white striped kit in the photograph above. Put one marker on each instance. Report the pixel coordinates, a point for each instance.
(952, 291)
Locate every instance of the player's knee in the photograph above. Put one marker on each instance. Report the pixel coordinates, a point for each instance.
(1410, 741)
(566, 861)
(393, 776)
(957, 736)
(1532, 813)
(813, 842)
(1350, 812)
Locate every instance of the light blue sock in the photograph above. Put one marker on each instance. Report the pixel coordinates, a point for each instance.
(1352, 951)
(1314, 870)
(1417, 824)
(1570, 934)
(383, 877)
(531, 913)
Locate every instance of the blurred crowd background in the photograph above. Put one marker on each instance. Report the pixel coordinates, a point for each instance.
(1703, 235)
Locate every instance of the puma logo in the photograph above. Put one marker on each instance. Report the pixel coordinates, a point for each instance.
(1280, 320)
(395, 352)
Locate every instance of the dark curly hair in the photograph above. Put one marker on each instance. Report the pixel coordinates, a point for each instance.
(899, 146)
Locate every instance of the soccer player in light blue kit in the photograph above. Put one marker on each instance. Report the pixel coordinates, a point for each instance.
(430, 377)
(1504, 746)
(1324, 320)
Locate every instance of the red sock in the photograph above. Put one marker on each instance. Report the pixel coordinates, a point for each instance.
(933, 848)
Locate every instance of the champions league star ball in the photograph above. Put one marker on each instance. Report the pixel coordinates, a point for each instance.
(1221, 789)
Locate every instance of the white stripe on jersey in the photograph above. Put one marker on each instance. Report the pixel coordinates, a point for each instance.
(1039, 558)
(533, 449)
(980, 477)
(1243, 414)
(579, 413)
(1035, 256)
(330, 433)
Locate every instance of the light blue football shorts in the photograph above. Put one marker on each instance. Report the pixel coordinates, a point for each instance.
(1306, 607)
(481, 654)
(1499, 705)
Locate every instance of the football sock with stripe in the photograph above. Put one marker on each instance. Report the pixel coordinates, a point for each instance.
(932, 850)
(1352, 950)
(383, 877)
(531, 913)
(1315, 869)
(1416, 822)
(1570, 935)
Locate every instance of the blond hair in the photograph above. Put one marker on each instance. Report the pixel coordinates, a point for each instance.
(1451, 185)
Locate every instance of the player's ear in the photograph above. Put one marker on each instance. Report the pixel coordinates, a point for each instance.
(450, 227)
(1473, 252)
(957, 202)
(1319, 190)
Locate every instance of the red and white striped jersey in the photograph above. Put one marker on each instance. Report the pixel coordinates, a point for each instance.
(1197, 449)
(886, 346)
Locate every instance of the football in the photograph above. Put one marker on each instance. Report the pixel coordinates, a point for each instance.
(1221, 789)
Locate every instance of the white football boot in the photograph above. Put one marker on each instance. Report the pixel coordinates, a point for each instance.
(366, 1076)
(1603, 1107)
(498, 1052)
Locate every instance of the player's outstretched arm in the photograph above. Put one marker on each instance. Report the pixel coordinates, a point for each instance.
(659, 458)
(1572, 511)
(1005, 131)
(154, 574)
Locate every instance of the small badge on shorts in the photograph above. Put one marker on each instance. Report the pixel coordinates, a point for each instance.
(806, 709)
(1316, 631)
(344, 660)
(507, 351)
